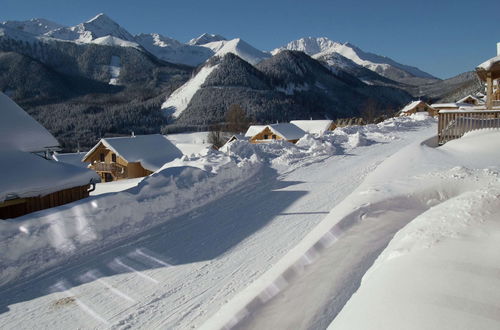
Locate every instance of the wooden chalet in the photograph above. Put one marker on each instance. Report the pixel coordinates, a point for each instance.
(454, 123)
(29, 179)
(472, 100)
(130, 157)
(418, 106)
(489, 72)
(317, 127)
(275, 132)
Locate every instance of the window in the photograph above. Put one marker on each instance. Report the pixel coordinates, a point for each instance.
(266, 136)
(274, 136)
(101, 156)
(113, 158)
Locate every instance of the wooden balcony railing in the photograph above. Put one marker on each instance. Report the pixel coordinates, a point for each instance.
(117, 170)
(453, 124)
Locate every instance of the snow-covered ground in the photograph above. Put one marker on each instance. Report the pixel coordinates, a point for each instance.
(172, 251)
(190, 143)
(439, 271)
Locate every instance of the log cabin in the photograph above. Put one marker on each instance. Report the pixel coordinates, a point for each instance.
(318, 127)
(275, 132)
(469, 99)
(120, 158)
(30, 180)
(418, 106)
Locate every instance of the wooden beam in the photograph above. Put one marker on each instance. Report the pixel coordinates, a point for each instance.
(489, 91)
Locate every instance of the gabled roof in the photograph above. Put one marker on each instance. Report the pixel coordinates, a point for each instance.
(451, 105)
(152, 151)
(74, 158)
(254, 130)
(287, 131)
(462, 100)
(313, 126)
(410, 106)
(19, 131)
(33, 175)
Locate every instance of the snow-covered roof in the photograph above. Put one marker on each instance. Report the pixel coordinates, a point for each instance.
(487, 65)
(240, 137)
(287, 131)
(19, 131)
(313, 126)
(451, 105)
(254, 130)
(492, 65)
(462, 100)
(410, 106)
(152, 151)
(74, 158)
(24, 174)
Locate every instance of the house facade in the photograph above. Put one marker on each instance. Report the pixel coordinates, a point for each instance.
(418, 106)
(130, 157)
(275, 132)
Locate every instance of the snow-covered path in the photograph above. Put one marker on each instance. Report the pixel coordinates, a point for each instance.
(180, 273)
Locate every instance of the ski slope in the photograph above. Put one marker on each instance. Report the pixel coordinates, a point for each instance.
(180, 272)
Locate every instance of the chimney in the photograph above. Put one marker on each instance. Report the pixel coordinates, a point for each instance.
(498, 48)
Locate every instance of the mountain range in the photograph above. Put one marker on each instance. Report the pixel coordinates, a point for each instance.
(99, 65)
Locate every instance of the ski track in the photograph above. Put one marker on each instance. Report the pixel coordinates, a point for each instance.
(180, 273)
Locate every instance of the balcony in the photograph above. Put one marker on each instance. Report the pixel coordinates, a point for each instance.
(117, 171)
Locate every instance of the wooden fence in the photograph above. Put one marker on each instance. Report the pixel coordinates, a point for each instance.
(453, 124)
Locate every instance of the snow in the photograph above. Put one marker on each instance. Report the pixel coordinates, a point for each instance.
(238, 47)
(173, 250)
(313, 126)
(115, 186)
(114, 69)
(410, 106)
(36, 26)
(97, 27)
(437, 208)
(487, 65)
(254, 130)
(319, 47)
(287, 131)
(178, 101)
(27, 175)
(291, 88)
(152, 151)
(205, 38)
(20, 131)
(190, 143)
(74, 158)
(114, 41)
(173, 51)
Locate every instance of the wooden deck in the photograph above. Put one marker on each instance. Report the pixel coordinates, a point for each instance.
(453, 124)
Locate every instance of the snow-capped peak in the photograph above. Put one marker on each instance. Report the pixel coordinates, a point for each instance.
(238, 47)
(205, 38)
(36, 26)
(384, 66)
(97, 27)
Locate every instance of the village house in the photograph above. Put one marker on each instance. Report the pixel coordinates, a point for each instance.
(29, 179)
(318, 127)
(274, 132)
(451, 106)
(130, 157)
(489, 72)
(418, 106)
(469, 99)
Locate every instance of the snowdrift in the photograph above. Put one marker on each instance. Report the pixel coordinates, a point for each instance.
(446, 195)
(38, 241)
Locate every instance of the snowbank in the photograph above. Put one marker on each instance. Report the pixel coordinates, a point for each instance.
(442, 267)
(38, 241)
(452, 206)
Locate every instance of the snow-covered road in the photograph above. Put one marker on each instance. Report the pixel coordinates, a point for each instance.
(178, 274)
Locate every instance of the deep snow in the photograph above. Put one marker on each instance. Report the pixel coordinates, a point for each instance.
(173, 250)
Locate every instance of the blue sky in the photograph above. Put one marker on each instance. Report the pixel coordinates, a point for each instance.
(441, 37)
